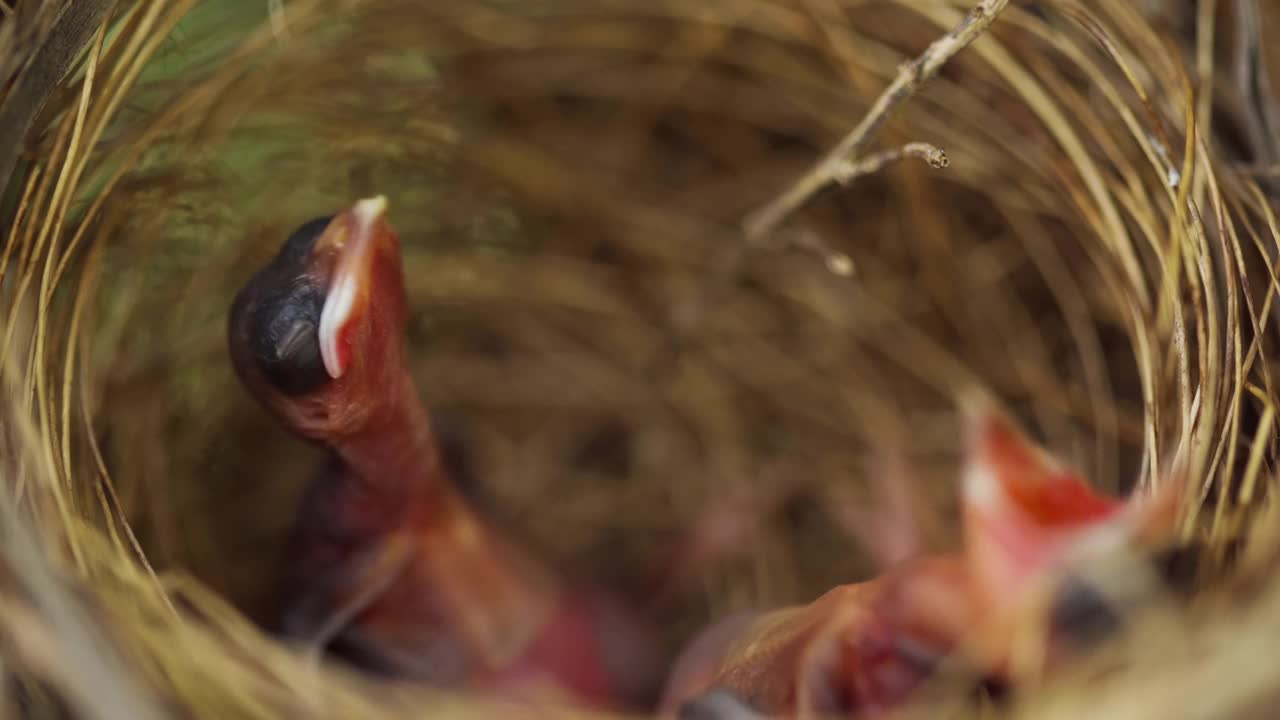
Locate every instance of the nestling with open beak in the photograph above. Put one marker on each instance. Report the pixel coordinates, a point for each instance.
(1006, 607)
(389, 566)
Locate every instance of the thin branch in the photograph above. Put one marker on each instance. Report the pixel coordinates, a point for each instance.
(840, 163)
(837, 263)
(911, 77)
(846, 172)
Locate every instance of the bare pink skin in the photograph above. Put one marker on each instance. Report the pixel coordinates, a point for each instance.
(865, 648)
(860, 648)
(461, 606)
(388, 560)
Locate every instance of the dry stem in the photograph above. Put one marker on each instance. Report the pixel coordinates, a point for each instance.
(47, 67)
(841, 163)
(911, 77)
(847, 172)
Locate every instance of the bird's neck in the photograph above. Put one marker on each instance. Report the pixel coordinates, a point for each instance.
(490, 594)
(394, 470)
(395, 453)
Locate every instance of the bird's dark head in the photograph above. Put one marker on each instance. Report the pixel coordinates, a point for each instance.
(317, 334)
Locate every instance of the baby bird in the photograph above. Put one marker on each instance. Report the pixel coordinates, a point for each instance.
(389, 566)
(1008, 605)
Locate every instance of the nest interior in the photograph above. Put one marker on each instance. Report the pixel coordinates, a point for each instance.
(610, 357)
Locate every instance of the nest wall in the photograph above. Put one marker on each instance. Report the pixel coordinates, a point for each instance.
(610, 356)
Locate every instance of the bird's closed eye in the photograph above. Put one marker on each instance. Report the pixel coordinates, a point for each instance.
(293, 345)
(285, 340)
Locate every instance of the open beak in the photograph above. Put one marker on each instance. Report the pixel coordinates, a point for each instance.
(1029, 523)
(1023, 511)
(353, 236)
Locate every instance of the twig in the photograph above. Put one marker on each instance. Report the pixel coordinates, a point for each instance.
(911, 77)
(837, 263)
(846, 172)
(840, 164)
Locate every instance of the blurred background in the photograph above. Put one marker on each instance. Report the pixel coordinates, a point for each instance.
(621, 373)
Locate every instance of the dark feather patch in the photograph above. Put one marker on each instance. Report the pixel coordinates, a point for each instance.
(284, 335)
(284, 320)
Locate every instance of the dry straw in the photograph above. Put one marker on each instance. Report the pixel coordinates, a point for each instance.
(674, 265)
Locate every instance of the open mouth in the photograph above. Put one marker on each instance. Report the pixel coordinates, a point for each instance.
(353, 235)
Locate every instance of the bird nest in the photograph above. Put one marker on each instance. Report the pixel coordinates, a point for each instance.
(688, 280)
